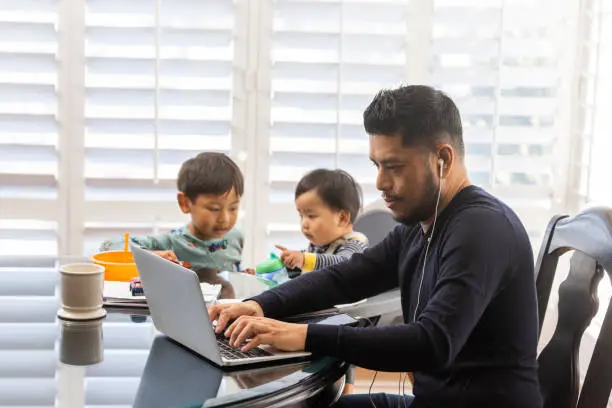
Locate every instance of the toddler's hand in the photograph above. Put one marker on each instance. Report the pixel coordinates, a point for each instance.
(169, 255)
(250, 271)
(291, 259)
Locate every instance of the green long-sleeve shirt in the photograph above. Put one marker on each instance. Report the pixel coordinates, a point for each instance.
(224, 254)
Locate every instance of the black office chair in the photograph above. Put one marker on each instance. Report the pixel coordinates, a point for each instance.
(589, 235)
(375, 224)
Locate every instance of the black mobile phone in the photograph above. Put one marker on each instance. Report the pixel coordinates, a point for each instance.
(341, 319)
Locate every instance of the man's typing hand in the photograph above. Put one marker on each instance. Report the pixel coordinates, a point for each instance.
(226, 313)
(261, 330)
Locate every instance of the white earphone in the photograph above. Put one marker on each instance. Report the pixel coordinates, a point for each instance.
(433, 228)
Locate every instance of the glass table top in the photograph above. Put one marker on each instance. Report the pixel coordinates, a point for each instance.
(121, 360)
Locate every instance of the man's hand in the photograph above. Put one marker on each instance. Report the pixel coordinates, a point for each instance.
(223, 314)
(261, 330)
(169, 255)
(291, 259)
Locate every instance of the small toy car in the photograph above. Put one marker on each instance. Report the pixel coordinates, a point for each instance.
(136, 287)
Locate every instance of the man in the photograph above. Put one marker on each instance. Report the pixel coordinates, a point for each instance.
(462, 261)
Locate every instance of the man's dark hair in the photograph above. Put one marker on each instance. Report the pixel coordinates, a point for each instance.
(209, 173)
(421, 115)
(337, 189)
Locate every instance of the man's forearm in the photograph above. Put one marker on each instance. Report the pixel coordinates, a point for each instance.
(363, 275)
(391, 348)
(343, 283)
(314, 291)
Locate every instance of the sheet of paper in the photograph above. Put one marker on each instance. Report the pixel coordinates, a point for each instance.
(210, 292)
(119, 292)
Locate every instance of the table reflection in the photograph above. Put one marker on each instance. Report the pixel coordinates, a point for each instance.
(81, 342)
(175, 376)
(48, 362)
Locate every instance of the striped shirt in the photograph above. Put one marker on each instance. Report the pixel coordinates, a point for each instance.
(318, 257)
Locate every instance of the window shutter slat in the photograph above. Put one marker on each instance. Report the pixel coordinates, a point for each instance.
(28, 128)
(158, 91)
(328, 60)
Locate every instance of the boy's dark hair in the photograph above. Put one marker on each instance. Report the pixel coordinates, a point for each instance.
(337, 189)
(421, 115)
(209, 173)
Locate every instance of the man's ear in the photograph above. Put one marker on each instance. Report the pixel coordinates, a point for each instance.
(183, 202)
(446, 153)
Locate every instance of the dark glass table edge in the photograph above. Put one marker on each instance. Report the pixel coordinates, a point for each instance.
(294, 386)
(299, 389)
(270, 393)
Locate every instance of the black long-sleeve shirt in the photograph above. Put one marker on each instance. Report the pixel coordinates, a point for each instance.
(474, 340)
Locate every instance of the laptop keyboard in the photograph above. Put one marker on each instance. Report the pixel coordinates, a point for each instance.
(233, 353)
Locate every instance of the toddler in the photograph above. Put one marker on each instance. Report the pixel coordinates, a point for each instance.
(328, 202)
(210, 186)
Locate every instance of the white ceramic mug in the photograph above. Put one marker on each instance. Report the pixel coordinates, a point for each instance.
(82, 286)
(81, 343)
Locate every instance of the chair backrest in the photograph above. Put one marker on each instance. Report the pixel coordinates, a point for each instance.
(589, 235)
(375, 224)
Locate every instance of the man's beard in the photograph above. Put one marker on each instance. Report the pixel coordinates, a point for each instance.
(424, 209)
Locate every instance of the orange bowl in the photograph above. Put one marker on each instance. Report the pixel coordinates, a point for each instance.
(118, 265)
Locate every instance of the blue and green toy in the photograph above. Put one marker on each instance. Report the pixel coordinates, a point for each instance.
(272, 270)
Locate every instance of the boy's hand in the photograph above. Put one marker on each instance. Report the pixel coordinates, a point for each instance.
(249, 271)
(291, 259)
(169, 255)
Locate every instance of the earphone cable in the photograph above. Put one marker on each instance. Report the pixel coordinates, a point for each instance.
(433, 228)
(370, 390)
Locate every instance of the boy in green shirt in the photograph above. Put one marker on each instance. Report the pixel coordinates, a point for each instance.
(210, 186)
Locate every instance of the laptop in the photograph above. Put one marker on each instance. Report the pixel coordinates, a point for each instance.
(178, 309)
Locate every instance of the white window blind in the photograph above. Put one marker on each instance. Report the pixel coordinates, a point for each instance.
(501, 62)
(163, 78)
(29, 204)
(595, 126)
(596, 81)
(328, 59)
(159, 78)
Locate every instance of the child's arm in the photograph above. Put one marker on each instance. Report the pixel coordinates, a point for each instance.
(237, 236)
(152, 243)
(313, 262)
